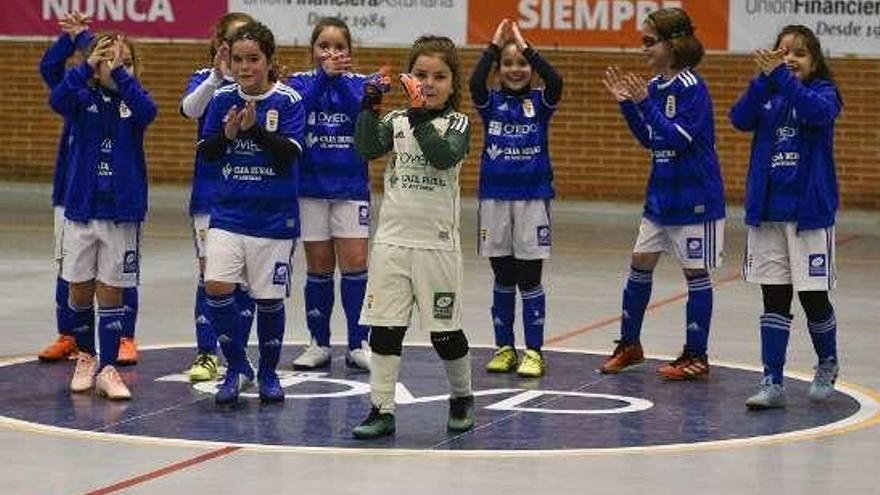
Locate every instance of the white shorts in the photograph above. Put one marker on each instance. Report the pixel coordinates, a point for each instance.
(58, 232)
(325, 219)
(101, 250)
(401, 277)
(261, 263)
(777, 254)
(200, 224)
(514, 228)
(695, 246)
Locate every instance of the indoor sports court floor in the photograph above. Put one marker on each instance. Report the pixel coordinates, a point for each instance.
(574, 431)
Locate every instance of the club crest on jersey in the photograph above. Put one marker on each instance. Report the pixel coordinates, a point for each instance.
(545, 237)
(818, 265)
(495, 128)
(694, 248)
(670, 106)
(130, 262)
(272, 120)
(280, 274)
(364, 215)
(124, 111)
(226, 171)
(528, 108)
(444, 303)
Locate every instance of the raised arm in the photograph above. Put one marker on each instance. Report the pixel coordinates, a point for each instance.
(444, 151)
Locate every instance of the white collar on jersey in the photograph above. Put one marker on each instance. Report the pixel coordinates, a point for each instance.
(260, 97)
(684, 74)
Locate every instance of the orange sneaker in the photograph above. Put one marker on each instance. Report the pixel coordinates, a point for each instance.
(128, 352)
(624, 356)
(686, 367)
(63, 348)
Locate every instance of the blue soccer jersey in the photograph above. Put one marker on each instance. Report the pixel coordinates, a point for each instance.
(515, 164)
(330, 167)
(782, 187)
(52, 67)
(676, 123)
(106, 176)
(205, 175)
(255, 195)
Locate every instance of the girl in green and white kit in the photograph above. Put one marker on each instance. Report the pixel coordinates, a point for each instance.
(416, 254)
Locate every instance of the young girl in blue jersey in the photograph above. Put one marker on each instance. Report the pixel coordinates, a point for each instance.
(415, 259)
(334, 191)
(198, 93)
(516, 188)
(252, 132)
(791, 202)
(105, 201)
(75, 37)
(684, 208)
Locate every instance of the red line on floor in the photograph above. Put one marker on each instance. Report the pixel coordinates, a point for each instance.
(663, 302)
(178, 466)
(214, 454)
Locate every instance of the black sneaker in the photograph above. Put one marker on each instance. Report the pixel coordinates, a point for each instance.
(461, 413)
(377, 424)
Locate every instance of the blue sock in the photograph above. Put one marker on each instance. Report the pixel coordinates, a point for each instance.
(246, 309)
(319, 305)
(83, 327)
(636, 295)
(270, 332)
(774, 343)
(225, 317)
(533, 311)
(64, 318)
(698, 314)
(503, 314)
(824, 337)
(111, 323)
(352, 288)
(206, 338)
(130, 301)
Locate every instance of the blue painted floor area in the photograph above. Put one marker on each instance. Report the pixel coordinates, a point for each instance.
(567, 409)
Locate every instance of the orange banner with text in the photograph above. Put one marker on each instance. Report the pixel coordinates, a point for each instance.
(592, 23)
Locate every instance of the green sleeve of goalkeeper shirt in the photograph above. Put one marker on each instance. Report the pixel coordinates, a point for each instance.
(448, 150)
(373, 137)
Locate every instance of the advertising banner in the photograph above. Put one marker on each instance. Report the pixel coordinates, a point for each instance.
(592, 23)
(843, 26)
(372, 22)
(140, 18)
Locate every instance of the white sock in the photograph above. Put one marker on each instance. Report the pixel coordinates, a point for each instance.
(458, 371)
(383, 380)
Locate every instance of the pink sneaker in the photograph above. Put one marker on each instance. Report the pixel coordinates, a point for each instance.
(109, 384)
(84, 373)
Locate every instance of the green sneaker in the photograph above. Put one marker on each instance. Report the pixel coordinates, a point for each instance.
(461, 414)
(533, 364)
(377, 424)
(205, 367)
(503, 361)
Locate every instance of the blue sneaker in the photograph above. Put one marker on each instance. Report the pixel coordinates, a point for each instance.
(823, 381)
(270, 388)
(769, 395)
(233, 383)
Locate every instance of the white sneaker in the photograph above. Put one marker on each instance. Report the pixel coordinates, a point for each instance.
(358, 359)
(84, 373)
(315, 356)
(109, 384)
